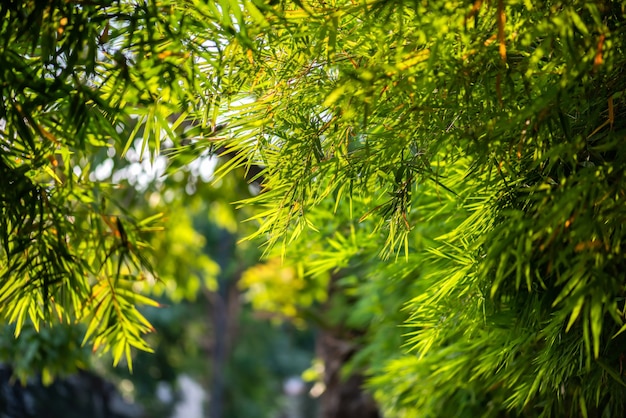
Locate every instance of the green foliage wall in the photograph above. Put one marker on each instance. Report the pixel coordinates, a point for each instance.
(460, 166)
(482, 144)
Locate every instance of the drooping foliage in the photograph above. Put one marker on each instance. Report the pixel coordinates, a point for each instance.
(483, 144)
(79, 81)
(453, 171)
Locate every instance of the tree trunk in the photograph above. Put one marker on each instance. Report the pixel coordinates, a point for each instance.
(221, 317)
(343, 397)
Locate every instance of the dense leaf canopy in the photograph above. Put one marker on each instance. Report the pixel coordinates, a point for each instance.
(453, 168)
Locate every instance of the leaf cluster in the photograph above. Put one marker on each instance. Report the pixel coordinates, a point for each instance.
(79, 80)
(488, 136)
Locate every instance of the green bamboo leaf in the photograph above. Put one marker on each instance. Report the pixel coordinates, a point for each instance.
(118, 351)
(256, 14)
(580, 25)
(35, 314)
(595, 318)
(150, 219)
(334, 96)
(18, 315)
(141, 122)
(575, 313)
(129, 358)
(578, 278)
(98, 320)
(137, 298)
